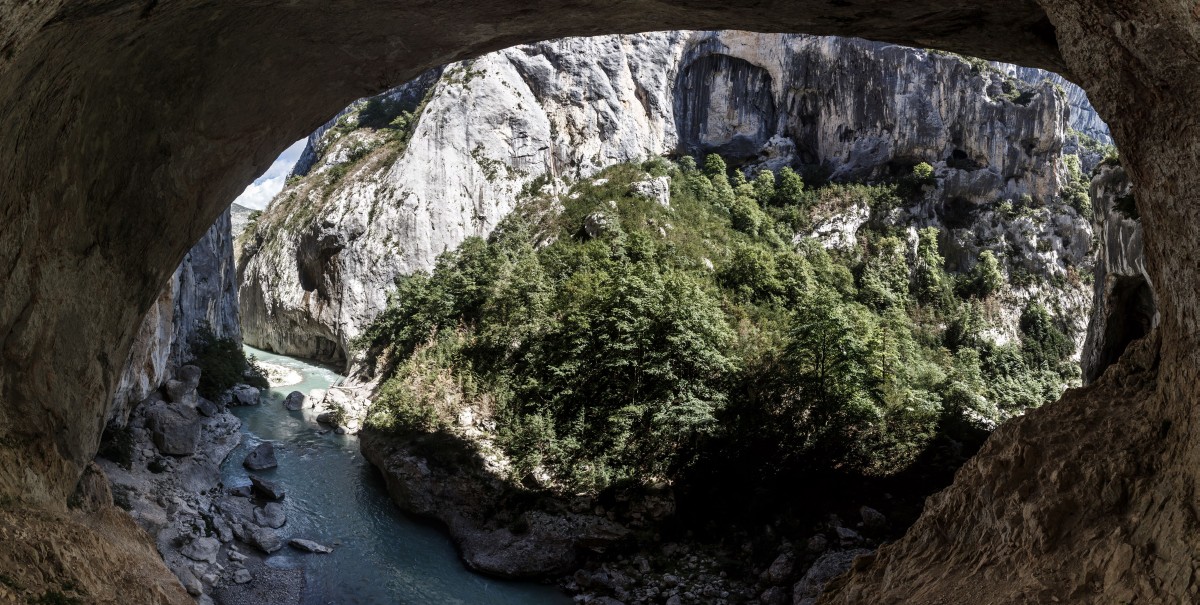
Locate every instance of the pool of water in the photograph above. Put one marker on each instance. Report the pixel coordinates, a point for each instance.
(334, 496)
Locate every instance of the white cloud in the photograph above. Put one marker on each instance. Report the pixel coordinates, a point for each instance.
(265, 187)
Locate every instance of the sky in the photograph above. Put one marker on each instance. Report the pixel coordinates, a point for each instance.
(258, 193)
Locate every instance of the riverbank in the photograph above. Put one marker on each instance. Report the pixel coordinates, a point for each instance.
(621, 547)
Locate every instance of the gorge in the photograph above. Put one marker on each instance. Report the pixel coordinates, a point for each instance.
(1023, 523)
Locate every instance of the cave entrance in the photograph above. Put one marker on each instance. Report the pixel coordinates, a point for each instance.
(1130, 316)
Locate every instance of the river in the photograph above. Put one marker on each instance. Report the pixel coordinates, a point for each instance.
(334, 496)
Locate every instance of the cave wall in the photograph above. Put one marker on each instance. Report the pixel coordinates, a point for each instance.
(131, 125)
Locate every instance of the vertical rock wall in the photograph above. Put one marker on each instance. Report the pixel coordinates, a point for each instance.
(202, 292)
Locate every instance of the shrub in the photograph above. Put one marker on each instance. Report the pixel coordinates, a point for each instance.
(222, 364)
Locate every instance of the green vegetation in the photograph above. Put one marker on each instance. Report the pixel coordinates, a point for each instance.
(222, 364)
(1075, 190)
(698, 344)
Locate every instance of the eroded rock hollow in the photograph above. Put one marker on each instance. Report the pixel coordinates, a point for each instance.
(131, 125)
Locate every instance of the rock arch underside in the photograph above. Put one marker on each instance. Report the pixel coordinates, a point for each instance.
(130, 125)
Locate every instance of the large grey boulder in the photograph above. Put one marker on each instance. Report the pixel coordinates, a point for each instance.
(265, 539)
(182, 389)
(244, 394)
(202, 549)
(174, 428)
(267, 490)
(826, 568)
(294, 401)
(261, 457)
(272, 515)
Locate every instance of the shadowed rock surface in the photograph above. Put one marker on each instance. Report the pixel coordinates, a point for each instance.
(132, 125)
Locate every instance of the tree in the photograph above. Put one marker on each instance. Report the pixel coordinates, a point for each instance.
(714, 165)
(931, 285)
(985, 278)
(764, 186)
(789, 188)
(828, 353)
(884, 281)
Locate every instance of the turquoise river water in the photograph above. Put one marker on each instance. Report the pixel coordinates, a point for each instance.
(334, 496)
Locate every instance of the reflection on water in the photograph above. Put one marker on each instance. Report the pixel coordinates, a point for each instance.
(335, 497)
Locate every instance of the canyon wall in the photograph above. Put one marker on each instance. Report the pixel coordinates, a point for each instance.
(360, 210)
(201, 295)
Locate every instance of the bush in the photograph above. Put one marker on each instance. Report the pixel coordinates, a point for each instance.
(984, 279)
(222, 364)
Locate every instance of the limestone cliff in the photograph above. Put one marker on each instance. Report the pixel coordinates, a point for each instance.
(363, 208)
(202, 292)
(1124, 309)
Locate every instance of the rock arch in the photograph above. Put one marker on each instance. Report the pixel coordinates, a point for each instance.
(129, 125)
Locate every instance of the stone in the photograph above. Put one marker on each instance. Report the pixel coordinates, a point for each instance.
(242, 576)
(261, 457)
(207, 408)
(267, 489)
(272, 515)
(657, 189)
(265, 539)
(244, 394)
(174, 428)
(294, 401)
(817, 544)
(780, 570)
(329, 418)
(872, 519)
(824, 569)
(202, 549)
(847, 536)
(241, 491)
(309, 546)
(596, 224)
(774, 595)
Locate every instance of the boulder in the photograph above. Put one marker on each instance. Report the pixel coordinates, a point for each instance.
(294, 401)
(657, 189)
(596, 224)
(847, 536)
(207, 408)
(872, 519)
(265, 539)
(309, 546)
(244, 394)
(267, 490)
(261, 457)
(272, 515)
(182, 389)
(174, 428)
(329, 418)
(774, 596)
(242, 576)
(241, 491)
(202, 549)
(826, 568)
(781, 568)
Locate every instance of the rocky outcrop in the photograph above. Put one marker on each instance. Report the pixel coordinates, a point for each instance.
(320, 261)
(202, 293)
(1124, 309)
(476, 505)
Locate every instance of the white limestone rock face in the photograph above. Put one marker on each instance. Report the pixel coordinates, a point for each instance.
(201, 292)
(1125, 308)
(364, 207)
